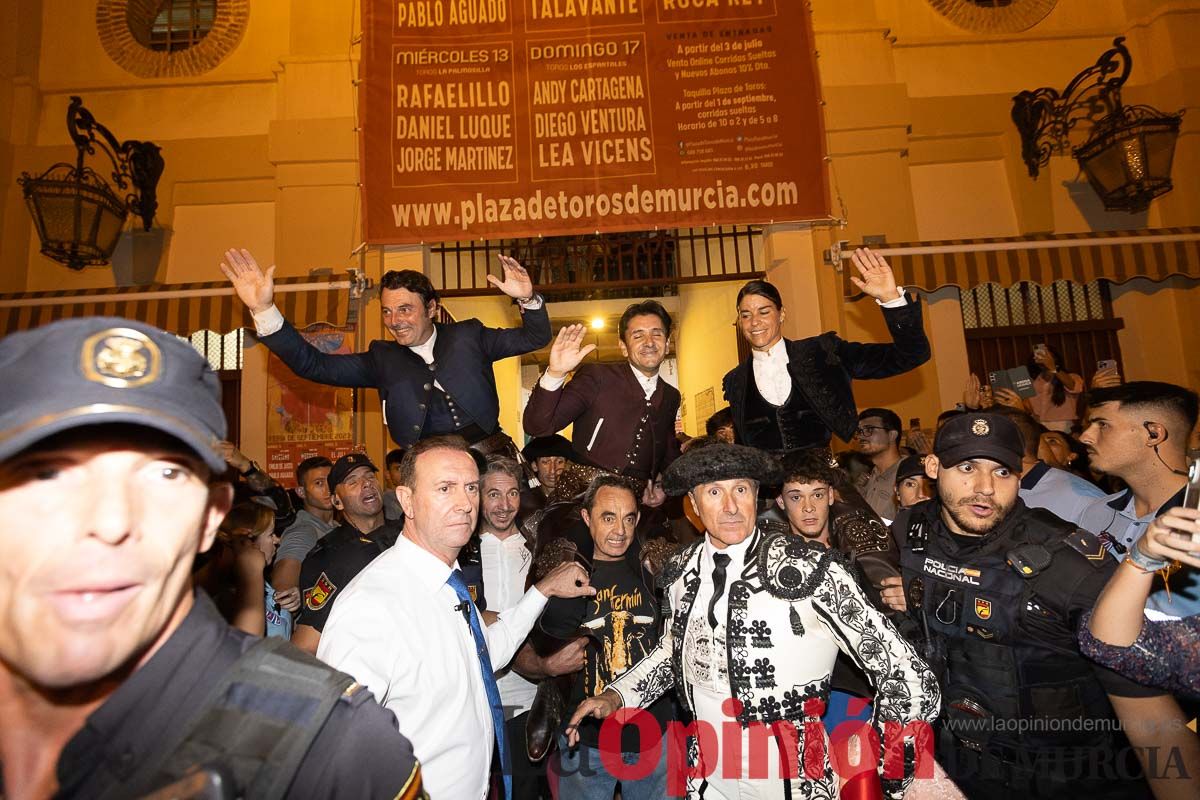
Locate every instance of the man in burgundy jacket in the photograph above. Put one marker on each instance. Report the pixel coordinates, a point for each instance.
(623, 414)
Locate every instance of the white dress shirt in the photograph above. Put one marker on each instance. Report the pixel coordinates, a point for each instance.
(395, 628)
(770, 366)
(506, 564)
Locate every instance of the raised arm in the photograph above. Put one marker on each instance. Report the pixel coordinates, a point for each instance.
(909, 347)
(553, 406)
(256, 288)
(534, 332)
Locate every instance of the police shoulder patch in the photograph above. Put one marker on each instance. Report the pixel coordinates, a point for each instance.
(1087, 545)
(317, 595)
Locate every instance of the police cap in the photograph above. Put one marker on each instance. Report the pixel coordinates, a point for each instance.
(971, 435)
(347, 464)
(103, 370)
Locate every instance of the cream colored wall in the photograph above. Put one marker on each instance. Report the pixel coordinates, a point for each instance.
(706, 345)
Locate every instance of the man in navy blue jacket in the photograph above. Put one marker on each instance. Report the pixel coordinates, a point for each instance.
(433, 378)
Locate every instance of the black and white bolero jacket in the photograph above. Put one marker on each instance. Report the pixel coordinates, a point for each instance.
(790, 610)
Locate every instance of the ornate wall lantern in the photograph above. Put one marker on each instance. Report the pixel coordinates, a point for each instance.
(79, 216)
(1128, 153)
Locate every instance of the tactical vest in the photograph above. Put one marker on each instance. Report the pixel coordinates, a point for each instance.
(255, 725)
(1011, 673)
(787, 427)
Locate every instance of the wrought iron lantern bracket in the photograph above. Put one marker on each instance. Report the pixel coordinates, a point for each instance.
(78, 215)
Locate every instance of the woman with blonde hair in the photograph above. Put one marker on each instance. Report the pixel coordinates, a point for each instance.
(235, 573)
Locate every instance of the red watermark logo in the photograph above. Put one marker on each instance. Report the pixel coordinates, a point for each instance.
(721, 746)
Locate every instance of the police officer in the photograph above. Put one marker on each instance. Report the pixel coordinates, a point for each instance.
(999, 589)
(344, 551)
(115, 674)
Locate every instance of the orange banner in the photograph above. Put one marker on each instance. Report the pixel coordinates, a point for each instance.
(499, 118)
(306, 419)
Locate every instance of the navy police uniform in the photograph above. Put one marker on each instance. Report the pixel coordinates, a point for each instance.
(264, 719)
(1024, 712)
(334, 562)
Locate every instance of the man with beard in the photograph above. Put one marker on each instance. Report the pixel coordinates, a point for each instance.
(342, 554)
(506, 557)
(877, 439)
(433, 378)
(753, 624)
(623, 414)
(1000, 589)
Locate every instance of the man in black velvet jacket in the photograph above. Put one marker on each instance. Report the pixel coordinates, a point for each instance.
(793, 394)
(434, 378)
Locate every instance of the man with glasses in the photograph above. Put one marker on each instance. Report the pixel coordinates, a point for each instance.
(878, 440)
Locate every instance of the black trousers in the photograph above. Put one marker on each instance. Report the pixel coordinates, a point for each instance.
(528, 778)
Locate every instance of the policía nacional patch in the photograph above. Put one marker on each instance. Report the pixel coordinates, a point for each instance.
(316, 596)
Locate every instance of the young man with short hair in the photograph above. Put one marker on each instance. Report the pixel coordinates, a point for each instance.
(878, 440)
(1139, 432)
(391, 468)
(1000, 589)
(313, 522)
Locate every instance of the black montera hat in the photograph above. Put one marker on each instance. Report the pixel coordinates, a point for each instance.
(971, 435)
(347, 464)
(547, 447)
(720, 462)
(102, 370)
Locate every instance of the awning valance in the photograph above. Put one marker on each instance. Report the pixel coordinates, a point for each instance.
(1117, 256)
(185, 308)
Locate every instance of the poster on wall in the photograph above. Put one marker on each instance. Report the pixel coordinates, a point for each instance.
(306, 419)
(502, 118)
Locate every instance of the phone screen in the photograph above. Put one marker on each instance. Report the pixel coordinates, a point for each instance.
(1191, 497)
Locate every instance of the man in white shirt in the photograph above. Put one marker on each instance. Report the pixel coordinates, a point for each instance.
(506, 557)
(405, 627)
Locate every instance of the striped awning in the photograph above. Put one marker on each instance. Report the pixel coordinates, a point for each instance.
(186, 308)
(1117, 256)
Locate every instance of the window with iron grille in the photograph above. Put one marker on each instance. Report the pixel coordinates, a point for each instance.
(181, 24)
(223, 351)
(1004, 324)
(992, 306)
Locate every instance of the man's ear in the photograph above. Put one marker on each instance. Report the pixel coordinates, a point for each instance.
(932, 466)
(586, 517)
(624, 349)
(337, 503)
(778, 500)
(220, 500)
(300, 493)
(1156, 433)
(404, 495)
(431, 309)
(894, 437)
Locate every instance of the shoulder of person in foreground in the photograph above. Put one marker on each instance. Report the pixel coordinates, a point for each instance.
(359, 752)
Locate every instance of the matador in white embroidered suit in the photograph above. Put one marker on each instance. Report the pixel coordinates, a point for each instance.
(758, 619)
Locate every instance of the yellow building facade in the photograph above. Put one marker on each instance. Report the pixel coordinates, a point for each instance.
(261, 152)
